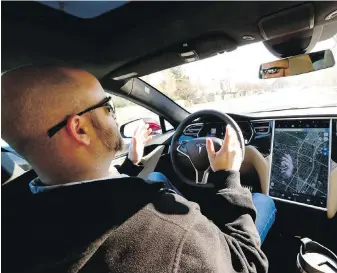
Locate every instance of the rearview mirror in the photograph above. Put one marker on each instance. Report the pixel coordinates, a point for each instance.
(297, 65)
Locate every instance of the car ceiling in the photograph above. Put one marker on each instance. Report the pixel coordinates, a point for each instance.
(141, 37)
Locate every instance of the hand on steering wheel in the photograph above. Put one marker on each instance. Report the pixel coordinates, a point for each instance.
(229, 157)
(217, 156)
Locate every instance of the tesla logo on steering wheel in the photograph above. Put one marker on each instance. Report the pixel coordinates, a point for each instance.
(200, 146)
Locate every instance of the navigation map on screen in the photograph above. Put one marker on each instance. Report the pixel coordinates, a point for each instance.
(300, 161)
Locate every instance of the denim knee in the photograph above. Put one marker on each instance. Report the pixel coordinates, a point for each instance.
(265, 213)
(264, 199)
(157, 177)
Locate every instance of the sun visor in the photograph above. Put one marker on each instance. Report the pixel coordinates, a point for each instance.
(185, 52)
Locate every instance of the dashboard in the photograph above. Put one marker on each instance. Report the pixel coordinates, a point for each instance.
(301, 153)
(218, 130)
(255, 132)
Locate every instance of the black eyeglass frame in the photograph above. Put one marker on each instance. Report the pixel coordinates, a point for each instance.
(53, 130)
(265, 71)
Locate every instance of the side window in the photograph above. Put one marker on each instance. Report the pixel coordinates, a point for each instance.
(14, 156)
(12, 164)
(131, 115)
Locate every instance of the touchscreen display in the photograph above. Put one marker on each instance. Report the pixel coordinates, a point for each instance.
(300, 161)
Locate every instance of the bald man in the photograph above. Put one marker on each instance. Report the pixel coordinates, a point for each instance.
(78, 217)
(41, 98)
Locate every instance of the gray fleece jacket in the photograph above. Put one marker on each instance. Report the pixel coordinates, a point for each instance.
(127, 225)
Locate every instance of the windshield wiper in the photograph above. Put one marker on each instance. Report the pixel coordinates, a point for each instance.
(294, 108)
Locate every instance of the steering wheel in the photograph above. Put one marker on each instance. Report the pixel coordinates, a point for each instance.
(195, 149)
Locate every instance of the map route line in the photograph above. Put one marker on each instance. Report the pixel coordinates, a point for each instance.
(313, 161)
(313, 164)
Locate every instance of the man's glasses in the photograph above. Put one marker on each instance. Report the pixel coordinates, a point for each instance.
(104, 103)
(272, 70)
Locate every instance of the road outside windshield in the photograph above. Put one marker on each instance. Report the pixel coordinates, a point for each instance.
(229, 82)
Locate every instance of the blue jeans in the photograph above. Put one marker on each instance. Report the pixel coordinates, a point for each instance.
(265, 206)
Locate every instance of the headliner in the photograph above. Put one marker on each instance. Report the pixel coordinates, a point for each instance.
(131, 33)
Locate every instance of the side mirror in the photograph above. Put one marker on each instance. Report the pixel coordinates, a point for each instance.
(127, 130)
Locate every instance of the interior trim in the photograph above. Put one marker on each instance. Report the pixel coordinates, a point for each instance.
(292, 118)
(332, 200)
(148, 156)
(150, 161)
(253, 156)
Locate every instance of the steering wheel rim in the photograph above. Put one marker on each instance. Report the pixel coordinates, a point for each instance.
(176, 147)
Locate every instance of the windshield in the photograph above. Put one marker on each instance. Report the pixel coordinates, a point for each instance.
(229, 82)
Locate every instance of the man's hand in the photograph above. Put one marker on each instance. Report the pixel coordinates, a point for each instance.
(140, 137)
(229, 157)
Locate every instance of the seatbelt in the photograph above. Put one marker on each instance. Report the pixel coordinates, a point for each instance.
(150, 161)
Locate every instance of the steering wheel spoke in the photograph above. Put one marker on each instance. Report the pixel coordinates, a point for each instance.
(183, 149)
(201, 177)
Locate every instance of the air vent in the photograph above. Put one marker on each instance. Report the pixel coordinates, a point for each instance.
(193, 129)
(261, 127)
